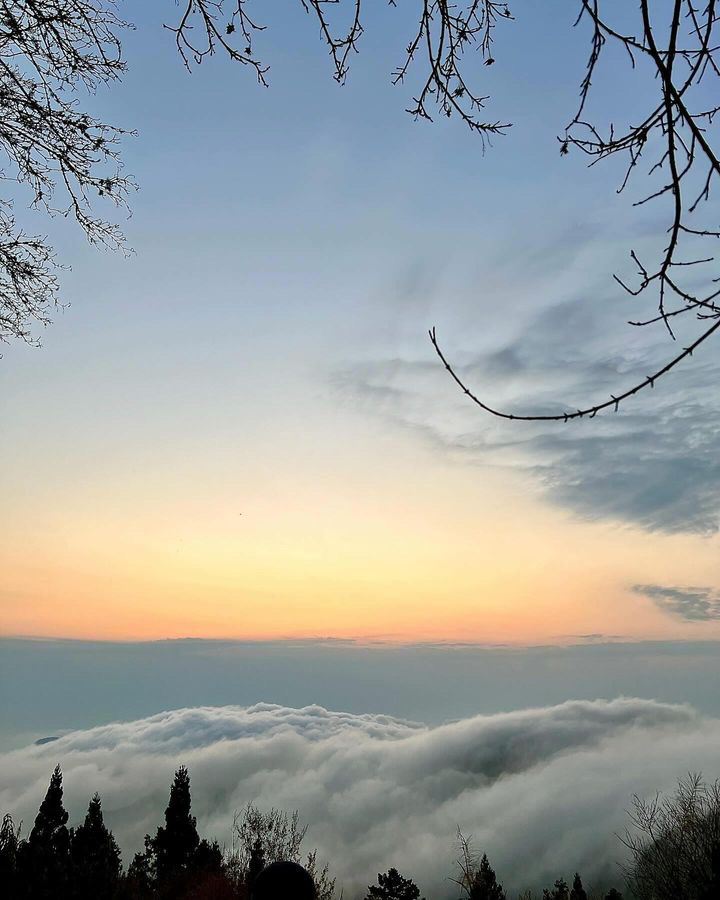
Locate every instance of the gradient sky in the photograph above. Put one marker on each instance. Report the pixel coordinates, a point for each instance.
(242, 431)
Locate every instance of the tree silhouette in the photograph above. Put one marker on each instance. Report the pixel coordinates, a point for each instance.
(392, 886)
(175, 860)
(257, 861)
(175, 844)
(94, 856)
(9, 839)
(140, 880)
(263, 838)
(578, 891)
(674, 843)
(560, 891)
(484, 885)
(43, 860)
(64, 157)
(476, 879)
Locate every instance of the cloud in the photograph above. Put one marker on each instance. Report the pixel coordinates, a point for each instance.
(691, 604)
(542, 790)
(653, 465)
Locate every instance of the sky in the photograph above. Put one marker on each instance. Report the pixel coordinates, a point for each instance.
(241, 430)
(250, 524)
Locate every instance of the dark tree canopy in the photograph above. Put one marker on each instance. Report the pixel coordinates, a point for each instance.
(484, 885)
(94, 856)
(176, 861)
(578, 891)
(559, 891)
(9, 840)
(257, 861)
(476, 877)
(44, 859)
(392, 886)
(175, 844)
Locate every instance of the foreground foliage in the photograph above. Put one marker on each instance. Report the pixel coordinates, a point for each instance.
(673, 844)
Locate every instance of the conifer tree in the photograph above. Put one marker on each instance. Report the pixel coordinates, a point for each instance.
(94, 856)
(140, 878)
(484, 885)
(176, 862)
(392, 886)
(175, 844)
(43, 860)
(560, 891)
(8, 856)
(578, 891)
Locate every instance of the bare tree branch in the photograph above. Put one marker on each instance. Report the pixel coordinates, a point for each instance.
(49, 49)
(677, 130)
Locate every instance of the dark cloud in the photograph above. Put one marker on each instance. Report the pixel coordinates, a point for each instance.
(542, 790)
(691, 604)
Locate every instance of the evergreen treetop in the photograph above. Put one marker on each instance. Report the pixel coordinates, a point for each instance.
(94, 855)
(51, 820)
(392, 886)
(175, 844)
(578, 891)
(484, 885)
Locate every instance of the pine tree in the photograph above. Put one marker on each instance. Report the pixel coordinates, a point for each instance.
(578, 891)
(484, 885)
(9, 839)
(94, 856)
(392, 886)
(43, 860)
(140, 878)
(174, 845)
(176, 862)
(560, 891)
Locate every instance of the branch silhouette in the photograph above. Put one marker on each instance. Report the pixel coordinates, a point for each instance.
(675, 134)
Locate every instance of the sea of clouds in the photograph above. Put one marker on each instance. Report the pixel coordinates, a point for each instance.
(543, 791)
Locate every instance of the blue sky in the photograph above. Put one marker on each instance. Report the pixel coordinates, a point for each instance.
(51, 687)
(236, 474)
(242, 431)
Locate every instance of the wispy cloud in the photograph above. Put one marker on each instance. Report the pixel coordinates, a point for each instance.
(654, 464)
(691, 604)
